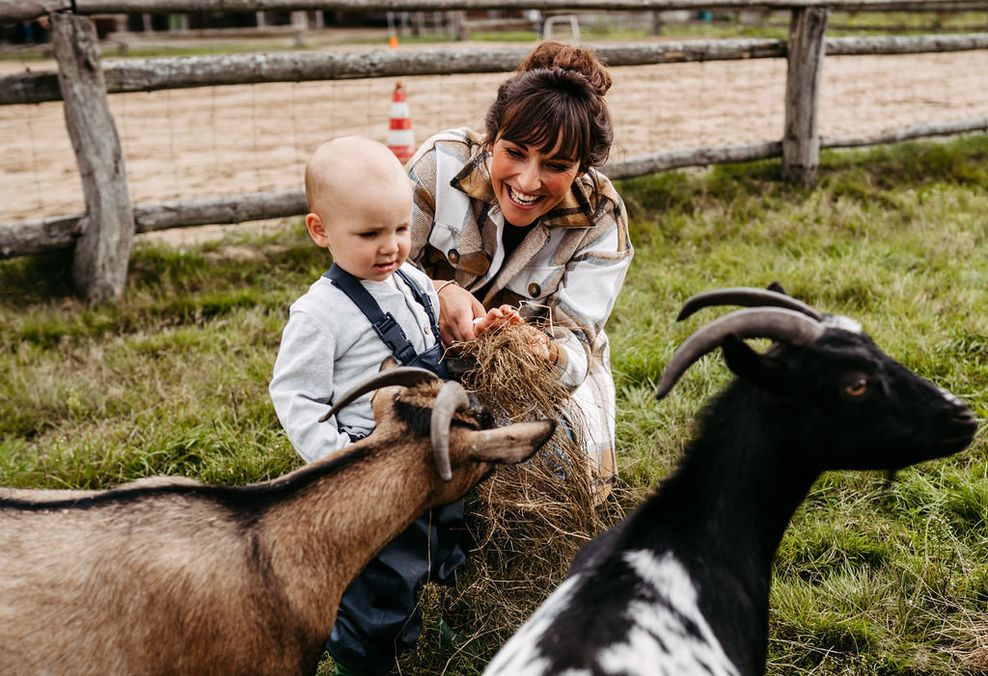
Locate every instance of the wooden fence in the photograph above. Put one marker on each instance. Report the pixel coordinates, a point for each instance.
(102, 237)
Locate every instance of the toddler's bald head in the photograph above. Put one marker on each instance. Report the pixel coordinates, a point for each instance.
(351, 173)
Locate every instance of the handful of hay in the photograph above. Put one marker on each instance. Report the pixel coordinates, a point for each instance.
(527, 521)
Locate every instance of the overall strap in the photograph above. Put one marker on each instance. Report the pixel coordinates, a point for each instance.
(384, 324)
(423, 300)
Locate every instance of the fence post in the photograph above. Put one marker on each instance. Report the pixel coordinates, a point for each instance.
(99, 268)
(801, 141)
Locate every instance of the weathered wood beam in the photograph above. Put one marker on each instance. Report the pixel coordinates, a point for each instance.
(140, 75)
(28, 9)
(905, 44)
(102, 252)
(12, 10)
(235, 209)
(801, 140)
(907, 133)
(37, 236)
(689, 157)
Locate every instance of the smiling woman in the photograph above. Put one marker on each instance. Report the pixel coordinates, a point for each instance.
(520, 217)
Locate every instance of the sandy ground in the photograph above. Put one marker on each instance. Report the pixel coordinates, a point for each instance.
(214, 141)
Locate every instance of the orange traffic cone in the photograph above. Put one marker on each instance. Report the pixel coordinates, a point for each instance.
(401, 138)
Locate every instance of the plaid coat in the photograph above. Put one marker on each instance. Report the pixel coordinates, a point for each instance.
(569, 268)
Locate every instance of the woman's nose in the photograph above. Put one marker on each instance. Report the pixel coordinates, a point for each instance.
(528, 177)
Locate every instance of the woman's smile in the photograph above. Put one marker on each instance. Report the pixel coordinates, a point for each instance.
(522, 199)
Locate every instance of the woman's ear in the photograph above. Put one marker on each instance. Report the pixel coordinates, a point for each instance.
(316, 229)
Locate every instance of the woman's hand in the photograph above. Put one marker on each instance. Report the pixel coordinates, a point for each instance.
(495, 317)
(545, 348)
(457, 310)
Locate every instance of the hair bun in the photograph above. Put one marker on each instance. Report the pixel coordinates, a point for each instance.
(581, 60)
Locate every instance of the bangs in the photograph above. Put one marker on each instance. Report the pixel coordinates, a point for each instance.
(550, 120)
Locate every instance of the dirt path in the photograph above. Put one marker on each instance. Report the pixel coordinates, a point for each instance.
(213, 141)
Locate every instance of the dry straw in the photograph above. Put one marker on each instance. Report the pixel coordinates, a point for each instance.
(526, 521)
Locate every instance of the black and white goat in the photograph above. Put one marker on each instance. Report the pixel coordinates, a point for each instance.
(169, 576)
(681, 586)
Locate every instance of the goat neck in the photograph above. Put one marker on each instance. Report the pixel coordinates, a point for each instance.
(357, 503)
(724, 512)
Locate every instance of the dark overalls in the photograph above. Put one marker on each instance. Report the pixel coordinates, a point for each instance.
(378, 615)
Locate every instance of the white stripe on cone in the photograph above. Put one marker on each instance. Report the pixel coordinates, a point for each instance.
(401, 137)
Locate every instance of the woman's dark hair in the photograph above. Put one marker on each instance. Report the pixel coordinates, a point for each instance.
(558, 90)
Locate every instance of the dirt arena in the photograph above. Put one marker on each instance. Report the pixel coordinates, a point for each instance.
(214, 141)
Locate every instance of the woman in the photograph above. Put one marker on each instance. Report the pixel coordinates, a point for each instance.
(521, 217)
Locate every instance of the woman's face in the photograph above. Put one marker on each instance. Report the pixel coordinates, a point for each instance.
(527, 182)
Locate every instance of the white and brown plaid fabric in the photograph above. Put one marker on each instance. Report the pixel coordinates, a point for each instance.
(567, 271)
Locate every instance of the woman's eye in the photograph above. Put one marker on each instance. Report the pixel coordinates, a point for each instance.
(856, 388)
(367, 235)
(517, 154)
(559, 168)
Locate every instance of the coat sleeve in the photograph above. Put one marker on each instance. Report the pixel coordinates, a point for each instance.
(302, 388)
(589, 287)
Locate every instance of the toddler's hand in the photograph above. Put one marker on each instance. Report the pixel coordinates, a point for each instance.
(495, 317)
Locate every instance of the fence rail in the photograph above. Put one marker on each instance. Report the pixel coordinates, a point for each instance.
(101, 236)
(11, 10)
(145, 75)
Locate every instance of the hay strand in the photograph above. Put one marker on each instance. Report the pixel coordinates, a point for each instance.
(526, 521)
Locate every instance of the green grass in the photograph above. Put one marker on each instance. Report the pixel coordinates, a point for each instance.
(871, 578)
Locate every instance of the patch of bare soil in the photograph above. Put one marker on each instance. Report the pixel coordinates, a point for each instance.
(215, 141)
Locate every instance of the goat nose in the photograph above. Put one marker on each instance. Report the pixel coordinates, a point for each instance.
(962, 415)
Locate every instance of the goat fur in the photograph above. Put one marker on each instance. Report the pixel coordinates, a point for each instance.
(170, 576)
(681, 586)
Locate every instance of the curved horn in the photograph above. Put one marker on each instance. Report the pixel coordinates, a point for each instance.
(407, 376)
(784, 325)
(747, 296)
(451, 398)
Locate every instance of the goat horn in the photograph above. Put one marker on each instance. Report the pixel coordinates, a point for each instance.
(747, 296)
(781, 324)
(451, 398)
(406, 376)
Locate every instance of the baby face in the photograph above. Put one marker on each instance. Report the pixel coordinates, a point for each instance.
(372, 240)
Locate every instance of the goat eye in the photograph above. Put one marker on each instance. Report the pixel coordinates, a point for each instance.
(856, 388)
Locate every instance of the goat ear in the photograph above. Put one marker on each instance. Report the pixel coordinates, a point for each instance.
(511, 444)
(749, 365)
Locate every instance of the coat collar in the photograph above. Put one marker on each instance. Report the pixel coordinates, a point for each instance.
(574, 211)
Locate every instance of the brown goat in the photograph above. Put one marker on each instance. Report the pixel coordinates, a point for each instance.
(171, 576)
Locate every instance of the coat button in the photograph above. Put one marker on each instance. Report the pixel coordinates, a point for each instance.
(534, 290)
(454, 256)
